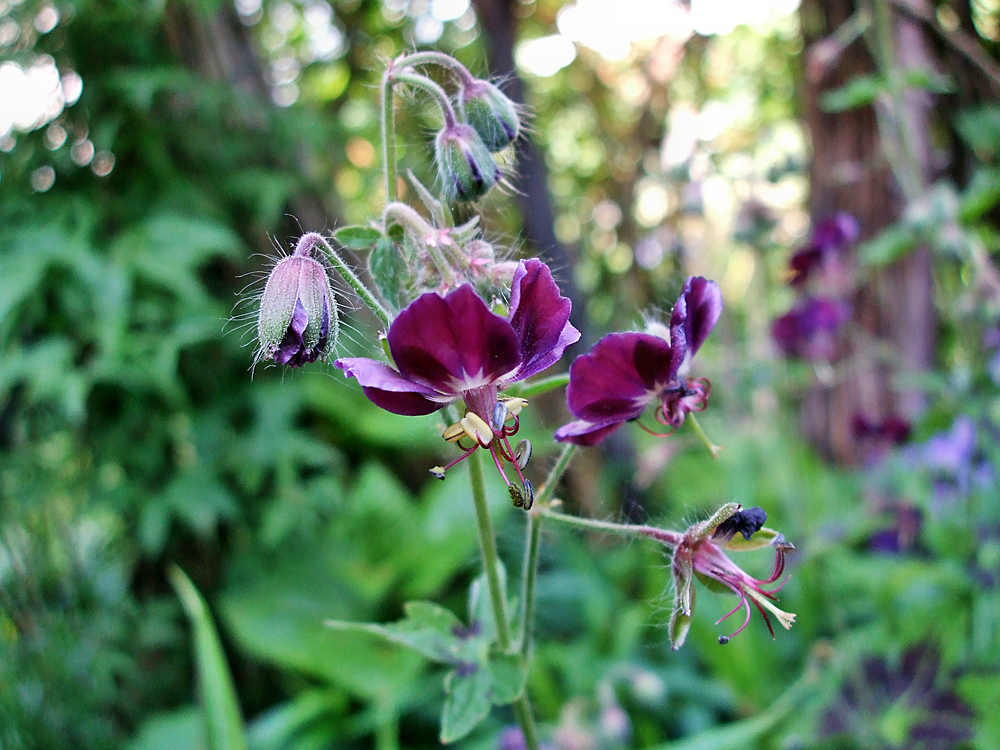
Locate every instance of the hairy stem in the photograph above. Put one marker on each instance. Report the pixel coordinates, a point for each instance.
(696, 426)
(664, 536)
(389, 137)
(498, 597)
(366, 295)
(430, 57)
(438, 94)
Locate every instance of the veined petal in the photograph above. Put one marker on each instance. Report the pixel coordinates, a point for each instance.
(389, 390)
(697, 311)
(539, 315)
(619, 377)
(453, 343)
(585, 433)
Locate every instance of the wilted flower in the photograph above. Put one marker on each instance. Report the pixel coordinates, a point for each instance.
(297, 322)
(701, 552)
(465, 167)
(450, 347)
(490, 112)
(809, 329)
(625, 372)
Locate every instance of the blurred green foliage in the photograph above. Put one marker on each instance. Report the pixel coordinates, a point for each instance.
(133, 434)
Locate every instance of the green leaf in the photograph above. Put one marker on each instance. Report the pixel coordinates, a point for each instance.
(357, 237)
(508, 678)
(983, 692)
(467, 703)
(389, 271)
(928, 80)
(887, 247)
(981, 196)
(182, 729)
(223, 720)
(480, 606)
(855, 93)
(431, 631)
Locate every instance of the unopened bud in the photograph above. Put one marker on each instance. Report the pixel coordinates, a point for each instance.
(465, 167)
(491, 112)
(298, 313)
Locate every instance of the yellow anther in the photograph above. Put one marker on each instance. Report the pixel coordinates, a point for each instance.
(454, 432)
(514, 405)
(477, 429)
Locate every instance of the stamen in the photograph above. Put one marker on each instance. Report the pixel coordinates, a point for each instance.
(500, 413)
(658, 416)
(522, 453)
(529, 495)
(499, 465)
(510, 457)
(745, 604)
(438, 471)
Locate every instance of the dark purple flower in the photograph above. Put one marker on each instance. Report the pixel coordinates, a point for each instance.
(297, 322)
(830, 240)
(809, 329)
(453, 347)
(625, 372)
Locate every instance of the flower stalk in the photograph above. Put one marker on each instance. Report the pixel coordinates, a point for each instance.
(366, 295)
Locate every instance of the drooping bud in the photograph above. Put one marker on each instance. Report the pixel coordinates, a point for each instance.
(491, 112)
(298, 320)
(465, 167)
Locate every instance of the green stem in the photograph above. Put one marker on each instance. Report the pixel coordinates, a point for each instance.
(353, 281)
(430, 57)
(488, 548)
(437, 93)
(664, 536)
(696, 426)
(498, 598)
(389, 138)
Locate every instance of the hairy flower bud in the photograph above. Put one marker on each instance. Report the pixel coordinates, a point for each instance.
(493, 115)
(464, 164)
(298, 313)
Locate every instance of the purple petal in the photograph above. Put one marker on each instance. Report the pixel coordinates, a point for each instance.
(700, 311)
(454, 343)
(540, 317)
(291, 346)
(585, 433)
(388, 389)
(619, 377)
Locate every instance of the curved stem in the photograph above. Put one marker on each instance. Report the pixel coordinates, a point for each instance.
(538, 387)
(696, 426)
(350, 277)
(498, 598)
(664, 536)
(430, 57)
(437, 93)
(389, 137)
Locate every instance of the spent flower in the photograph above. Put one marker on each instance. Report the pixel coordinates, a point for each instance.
(700, 552)
(625, 372)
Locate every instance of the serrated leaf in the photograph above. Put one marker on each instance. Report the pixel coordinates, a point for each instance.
(467, 702)
(887, 247)
(389, 271)
(357, 237)
(223, 721)
(508, 678)
(428, 629)
(855, 93)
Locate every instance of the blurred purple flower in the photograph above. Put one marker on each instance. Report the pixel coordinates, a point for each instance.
(830, 240)
(878, 437)
(955, 465)
(901, 535)
(809, 329)
(625, 372)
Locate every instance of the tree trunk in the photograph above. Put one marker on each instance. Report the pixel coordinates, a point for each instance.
(892, 330)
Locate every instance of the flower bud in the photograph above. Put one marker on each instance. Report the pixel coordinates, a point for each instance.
(464, 164)
(298, 313)
(493, 115)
